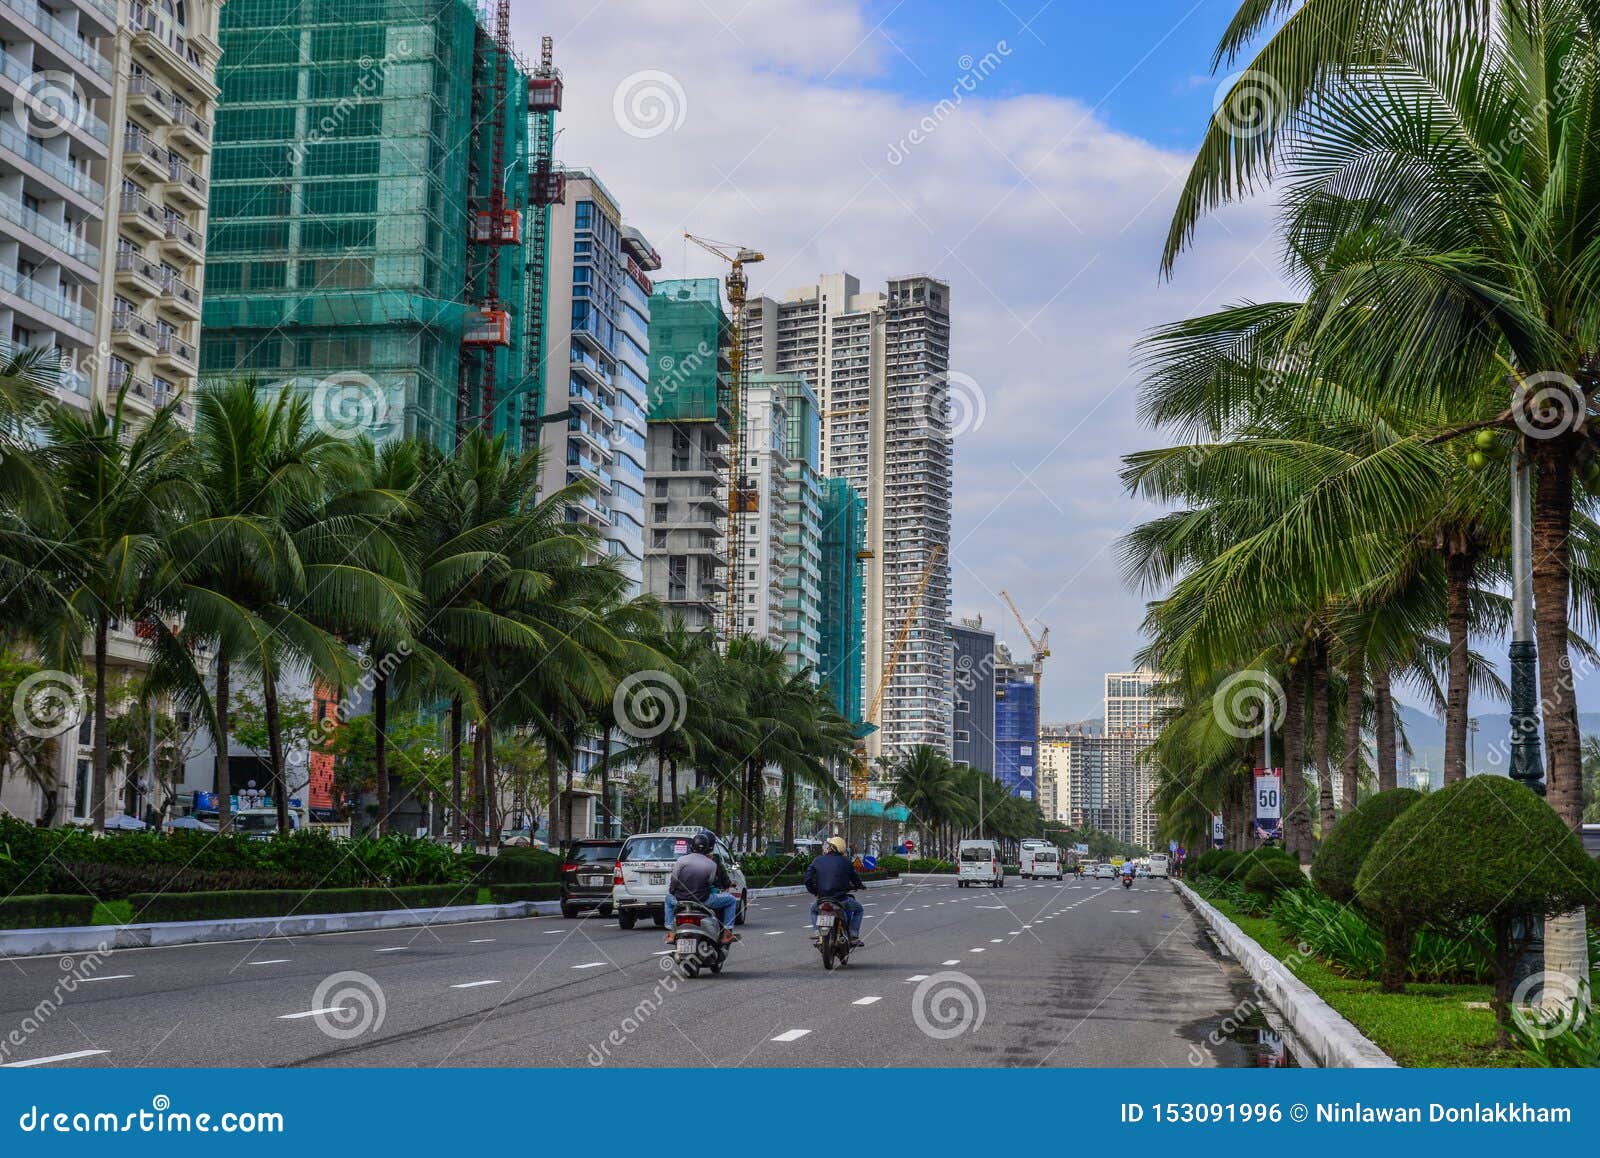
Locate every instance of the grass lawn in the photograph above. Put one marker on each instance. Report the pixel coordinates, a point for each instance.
(1428, 1025)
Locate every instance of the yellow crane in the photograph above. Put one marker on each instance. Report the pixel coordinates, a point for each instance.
(858, 771)
(742, 497)
(1041, 652)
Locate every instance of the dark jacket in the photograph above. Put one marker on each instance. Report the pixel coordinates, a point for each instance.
(831, 875)
(694, 876)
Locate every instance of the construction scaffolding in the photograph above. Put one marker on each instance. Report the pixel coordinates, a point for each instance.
(343, 178)
(844, 540)
(690, 336)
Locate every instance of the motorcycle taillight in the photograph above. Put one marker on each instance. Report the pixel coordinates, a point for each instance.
(687, 919)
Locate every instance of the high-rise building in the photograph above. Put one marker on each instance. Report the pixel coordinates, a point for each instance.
(800, 546)
(354, 251)
(1016, 725)
(844, 538)
(1131, 702)
(762, 520)
(686, 463)
(878, 362)
(596, 374)
(1105, 785)
(1055, 774)
(973, 689)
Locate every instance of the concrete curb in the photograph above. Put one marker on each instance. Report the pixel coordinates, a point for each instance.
(1331, 1040)
(92, 938)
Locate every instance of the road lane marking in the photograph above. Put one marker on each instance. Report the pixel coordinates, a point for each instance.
(274, 961)
(996, 940)
(480, 941)
(974, 950)
(775, 933)
(311, 1013)
(591, 965)
(1124, 910)
(393, 949)
(473, 984)
(547, 932)
(791, 1035)
(866, 1001)
(110, 977)
(917, 977)
(952, 961)
(44, 1061)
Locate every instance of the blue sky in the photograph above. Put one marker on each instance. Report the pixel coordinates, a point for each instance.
(1043, 198)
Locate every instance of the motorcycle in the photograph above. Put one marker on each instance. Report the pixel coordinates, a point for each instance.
(832, 933)
(1127, 881)
(697, 941)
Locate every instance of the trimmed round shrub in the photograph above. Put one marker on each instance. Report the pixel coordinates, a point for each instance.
(1271, 875)
(1223, 863)
(1485, 847)
(1346, 846)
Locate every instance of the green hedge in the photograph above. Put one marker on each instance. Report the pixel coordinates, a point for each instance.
(296, 902)
(510, 894)
(516, 866)
(51, 911)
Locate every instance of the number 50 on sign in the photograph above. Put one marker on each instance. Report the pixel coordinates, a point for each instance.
(1269, 793)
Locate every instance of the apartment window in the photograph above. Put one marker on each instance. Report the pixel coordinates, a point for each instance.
(752, 576)
(660, 513)
(750, 622)
(963, 706)
(86, 731)
(661, 488)
(658, 539)
(963, 737)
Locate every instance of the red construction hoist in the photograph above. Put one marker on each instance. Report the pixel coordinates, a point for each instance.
(495, 226)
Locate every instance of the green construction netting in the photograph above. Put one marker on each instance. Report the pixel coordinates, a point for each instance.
(844, 535)
(688, 336)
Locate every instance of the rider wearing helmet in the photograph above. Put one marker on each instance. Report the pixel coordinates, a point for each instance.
(831, 877)
(698, 877)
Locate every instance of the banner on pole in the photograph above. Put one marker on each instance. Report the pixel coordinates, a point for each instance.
(1269, 803)
(1218, 833)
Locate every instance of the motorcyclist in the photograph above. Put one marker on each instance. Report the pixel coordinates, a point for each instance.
(1127, 871)
(830, 878)
(701, 878)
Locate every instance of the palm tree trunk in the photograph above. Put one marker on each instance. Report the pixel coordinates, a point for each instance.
(221, 782)
(552, 777)
(721, 786)
(1354, 689)
(677, 813)
(1296, 817)
(566, 803)
(1383, 722)
(380, 748)
(480, 787)
(456, 731)
(1458, 587)
(788, 811)
(1319, 740)
(1565, 945)
(102, 741)
(280, 782)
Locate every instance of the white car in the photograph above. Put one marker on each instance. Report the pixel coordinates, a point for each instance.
(1105, 872)
(639, 888)
(1038, 862)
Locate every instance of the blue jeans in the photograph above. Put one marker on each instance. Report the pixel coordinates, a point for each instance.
(724, 905)
(852, 910)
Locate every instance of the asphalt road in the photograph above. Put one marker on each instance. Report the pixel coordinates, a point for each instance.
(1070, 974)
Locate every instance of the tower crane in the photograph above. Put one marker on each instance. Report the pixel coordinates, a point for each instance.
(858, 769)
(742, 497)
(1041, 652)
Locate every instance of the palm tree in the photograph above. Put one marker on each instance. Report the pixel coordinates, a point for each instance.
(120, 486)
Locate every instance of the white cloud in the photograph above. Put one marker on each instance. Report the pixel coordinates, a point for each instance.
(1047, 223)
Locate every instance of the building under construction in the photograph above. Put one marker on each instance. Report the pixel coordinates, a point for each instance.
(377, 188)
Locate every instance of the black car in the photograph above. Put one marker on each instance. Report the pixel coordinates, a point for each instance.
(587, 870)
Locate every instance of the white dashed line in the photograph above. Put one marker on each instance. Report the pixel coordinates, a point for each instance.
(791, 1035)
(480, 941)
(473, 984)
(775, 932)
(952, 961)
(591, 965)
(996, 940)
(917, 977)
(393, 949)
(126, 976)
(311, 1013)
(44, 1061)
(274, 961)
(975, 950)
(866, 1001)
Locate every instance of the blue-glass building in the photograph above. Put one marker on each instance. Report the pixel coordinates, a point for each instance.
(1016, 733)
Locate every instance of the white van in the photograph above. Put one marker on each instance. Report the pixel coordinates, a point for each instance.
(979, 864)
(1158, 864)
(1040, 861)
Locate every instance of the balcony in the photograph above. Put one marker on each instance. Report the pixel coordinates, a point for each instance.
(140, 153)
(184, 185)
(174, 353)
(53, 237)
(179, 296)
(52, 166)
(140, 272)
(184, 240)
(590, 367)
(131, 332)
(174, 50)
(138, 216)
(72, 45)
(189, 128)
(147, 97)
(50, 301)
(24, 78)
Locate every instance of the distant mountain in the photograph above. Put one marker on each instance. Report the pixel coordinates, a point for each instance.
(1488, 751)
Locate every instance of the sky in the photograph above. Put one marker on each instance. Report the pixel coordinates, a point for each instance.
(1042, 191)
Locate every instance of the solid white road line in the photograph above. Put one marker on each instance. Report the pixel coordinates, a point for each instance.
(866, 1001)
(791, 1035)
(44, 1061)
(108, 977)
(274, 961)
(473, 984)
(311, 1013)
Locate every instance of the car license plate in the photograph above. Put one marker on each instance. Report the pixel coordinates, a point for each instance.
(592, 882)
(656, 878)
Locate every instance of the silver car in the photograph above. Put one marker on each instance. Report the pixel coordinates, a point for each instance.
(645, 864)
